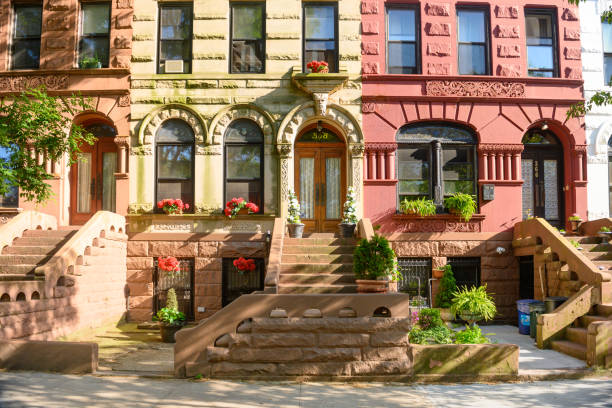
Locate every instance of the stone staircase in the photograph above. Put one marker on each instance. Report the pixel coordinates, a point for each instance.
(317, 263)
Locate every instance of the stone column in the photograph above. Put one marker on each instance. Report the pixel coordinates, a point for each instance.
(517, 166)
(285, 152)
(438, 193)
(356, 156)
(485, 166)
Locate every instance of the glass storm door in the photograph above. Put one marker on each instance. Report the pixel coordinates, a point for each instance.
(542, 188)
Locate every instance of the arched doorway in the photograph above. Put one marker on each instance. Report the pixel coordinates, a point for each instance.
(542, 172)
(320, 178)
(92, 179)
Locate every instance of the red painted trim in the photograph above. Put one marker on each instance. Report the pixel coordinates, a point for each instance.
(368, 182)
(469, 78)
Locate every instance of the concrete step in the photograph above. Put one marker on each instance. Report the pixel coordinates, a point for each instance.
(13, 277)
(295, 289)
(570, 348)
(317, 259)
(576, 335)
(288, 268)
(309, 279)
(604, 309)
(29, 250)
(584, 321)
(17, 269)
(103, 260)
(318, 249)
(318, 241)
(22, 259)
(48, 233)
(43, 241)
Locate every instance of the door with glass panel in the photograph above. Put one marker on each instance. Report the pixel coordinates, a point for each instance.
(542, 172)
(320, 185)
(93, 186)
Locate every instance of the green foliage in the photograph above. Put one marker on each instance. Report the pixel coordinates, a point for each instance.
(294, 209)
(471, 335)
(448, 286)
(575, 244)
(574, 218)
(89, 62)
(170, 316)
(435, 335)
(419, 206)
(38, 121)
(430, 318)
(604, 229)
(198, 377)
(373, 259)
(349, 215)
(171, 301)
(474, 301)
(463, 204)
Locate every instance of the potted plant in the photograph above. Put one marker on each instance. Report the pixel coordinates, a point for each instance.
(606, 234)
(239, 206)
(296, 228)
(373, 262)
(244, 265)
(318, 67)
(90, 62)
(420, 206)
(574, 221)
(473, 304)
(444, 297)
(461, 204)
(170, 318)
(172, 206)
(349, 216)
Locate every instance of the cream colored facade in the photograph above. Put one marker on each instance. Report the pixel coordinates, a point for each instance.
(282, 100)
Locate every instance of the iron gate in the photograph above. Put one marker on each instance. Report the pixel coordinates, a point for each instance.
(466, 271)
(182, 282)
(414, 279)
(236, 284)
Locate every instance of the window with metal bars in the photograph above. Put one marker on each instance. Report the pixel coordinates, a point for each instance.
(182, 282)
(466, 271)
(414, 279)
(236, 283)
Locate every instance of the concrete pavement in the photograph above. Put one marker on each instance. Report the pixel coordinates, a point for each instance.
(25, 389)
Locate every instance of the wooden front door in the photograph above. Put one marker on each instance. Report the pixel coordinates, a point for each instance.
(320, 180)
(92, 181)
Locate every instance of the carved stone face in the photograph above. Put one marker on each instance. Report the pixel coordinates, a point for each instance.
(321, 103)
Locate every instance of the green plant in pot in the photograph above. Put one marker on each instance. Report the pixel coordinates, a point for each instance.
(294, 223)
(420, 206)
(473, 304)
(373, 262)
(444, 297)
(461, 204)
(170, 318)
(90, 62)
(575, 221)
(349, 216)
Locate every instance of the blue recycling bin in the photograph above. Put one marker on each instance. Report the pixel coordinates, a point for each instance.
(523, 315)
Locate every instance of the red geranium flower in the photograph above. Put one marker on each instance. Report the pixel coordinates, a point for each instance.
(244, 264)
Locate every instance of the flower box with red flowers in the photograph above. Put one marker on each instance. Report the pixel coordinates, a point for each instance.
(172, 206)
(318, 67)
(244, 265)
(169, 264)
(238, 206)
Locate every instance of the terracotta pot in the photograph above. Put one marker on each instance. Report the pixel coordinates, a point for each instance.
(168, 331)
(295, 230)
(243, 211)
(371, 286)
(438, 273)
(347, 230)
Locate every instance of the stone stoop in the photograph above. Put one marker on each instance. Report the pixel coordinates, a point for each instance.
(318, 263)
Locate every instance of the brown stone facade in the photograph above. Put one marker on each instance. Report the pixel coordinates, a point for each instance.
(207, 252)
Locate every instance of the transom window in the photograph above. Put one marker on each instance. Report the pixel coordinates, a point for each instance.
(473, 29)
(248, 38)
(435, 161)
(11, 197)
(175, 32)
(541, 42)
(244, 162)
(321, 34)
(95, 39)
(175, 157)
(606, 29)
(25, 46)
(403, 40)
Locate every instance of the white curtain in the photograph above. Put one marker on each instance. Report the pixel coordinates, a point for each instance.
(307, 185)
(332, 185)
(551, 190)
(527, 174)
(84, 178)
(109, 168)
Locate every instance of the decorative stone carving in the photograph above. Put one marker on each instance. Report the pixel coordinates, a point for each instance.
(580, 149)
(172, 227)
(438, 69)
(571, 34)
(370, 27)
(58, 5)
(509, 70)
(501, 148)
(509, 51)
(284, 150)
(228, 115)
(18, 83)
(502, 31)
(369, 48)
(475, 88)
(123, 101)
(380, 147)
(437, 225)
(572, 53)
(124, 4)
(370, 68)
(573, 73)
(123, 21)
(122, 141)
(122, 42)
(438, 29)
(58, 23)
(437, 9)
(506, 11)
(204, 209)
(321, 100)
(369, 7)
(357, 149)
(141, 150)
(140, 208)
(438, 49)
(368, 107)
(122, 61)
(149, 127)
(210, 150)
(569, 15)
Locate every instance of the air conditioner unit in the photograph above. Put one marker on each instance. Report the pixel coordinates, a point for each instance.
(174, 66)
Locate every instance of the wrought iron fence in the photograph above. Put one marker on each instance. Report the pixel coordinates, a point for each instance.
(466, 271)
(415, 275)
(236, 283)
(182, 282)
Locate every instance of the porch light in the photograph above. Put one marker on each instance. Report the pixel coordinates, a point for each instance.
(545, 126)
(319, 126)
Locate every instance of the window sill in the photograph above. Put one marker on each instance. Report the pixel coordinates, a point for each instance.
(436, 223)
(451, 217)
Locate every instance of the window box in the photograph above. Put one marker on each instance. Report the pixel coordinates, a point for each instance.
(437, 223)
(317, 82)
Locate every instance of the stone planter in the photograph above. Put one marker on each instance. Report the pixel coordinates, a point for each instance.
(371, 286)
(446, 314)
(168, 331)
(471, 318)
(347, 230)
(605, 236)
(295, 230)
(437, 273)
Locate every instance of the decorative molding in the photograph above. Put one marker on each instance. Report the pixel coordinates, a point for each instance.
(122, 141)
(501, 148)
(284, 150)
(357, 149)
(210, 150)
(123, 101)
(377, 147)
(224, 118)
(19, 83)
(436, 223)
(139, 208)
(150, 126)
(475, 88)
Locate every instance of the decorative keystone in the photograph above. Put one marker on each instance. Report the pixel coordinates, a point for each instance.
(312, 314)
(506, 11)
(278, 314)
(438, 29)
(569, 15)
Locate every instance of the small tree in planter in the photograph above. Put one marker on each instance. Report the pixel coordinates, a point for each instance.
(349, 216)
(170, 318)
(462, 204)
(296, 228)
(473, 304)
(372, 263)
(448, 286)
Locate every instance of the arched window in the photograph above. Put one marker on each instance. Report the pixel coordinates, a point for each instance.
(174, 166)
(9, 198)
(244, 162)
(435, 161)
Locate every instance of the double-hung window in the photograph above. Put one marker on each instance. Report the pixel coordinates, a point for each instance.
(435, 161)
(403, 40)
(473, 38)
(95, 35)
(606, 28)
(321, 34)
(541, 43)
(175, 32)
(25, 51)
(248, 38)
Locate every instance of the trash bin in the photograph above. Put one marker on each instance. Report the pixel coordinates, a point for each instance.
(535, 309)
(553, 302)
(523, 314)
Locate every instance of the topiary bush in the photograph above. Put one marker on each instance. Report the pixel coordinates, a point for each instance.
(373, 259)
(448, 285)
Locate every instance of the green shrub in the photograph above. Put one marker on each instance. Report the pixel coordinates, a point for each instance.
(171, 301)
(463, 204)
(373, 259)
(471, 335)
(448, 286)
(604, 229)
(170, 314)
(435, 335)
(474, 301)
(419, 206)
(430, 318)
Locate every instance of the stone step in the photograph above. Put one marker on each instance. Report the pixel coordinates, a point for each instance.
(32, 241)
(108, 243)
(104, 251)
(586, 240)
(288, 268)
(570, 348)
(599, 256)
(318, 241)
(92, 269)
(576, 335)
(584, 321)
(597, 247)
(604, 309)
(317, 259)
(22, 259)
(114, 236)
(318, 249)
(103, 260)
(29, 250)
(17, 269)
(13, 277)
(603, 265)
(48, 233)
(295, 289)
(310, 278)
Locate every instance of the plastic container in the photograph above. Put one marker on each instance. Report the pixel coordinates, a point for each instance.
(523, 314)
(535, 309)
(553, 302)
